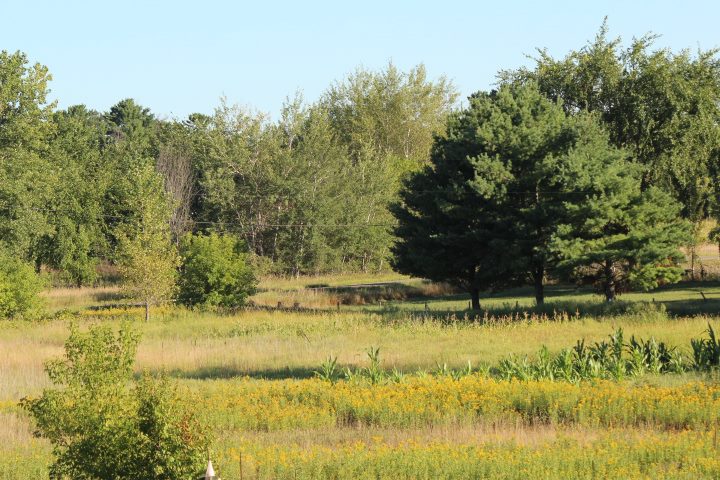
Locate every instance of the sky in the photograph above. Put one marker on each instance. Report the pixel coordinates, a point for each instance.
(179, 57)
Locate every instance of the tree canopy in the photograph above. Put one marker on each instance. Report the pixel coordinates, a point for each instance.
(514, 175)
(313, 190)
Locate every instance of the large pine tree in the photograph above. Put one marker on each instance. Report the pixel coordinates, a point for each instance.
(515, 185)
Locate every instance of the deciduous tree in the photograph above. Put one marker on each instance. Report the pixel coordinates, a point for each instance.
(214, 272)
(147, 257)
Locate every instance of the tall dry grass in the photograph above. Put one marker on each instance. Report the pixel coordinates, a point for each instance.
(78, 298)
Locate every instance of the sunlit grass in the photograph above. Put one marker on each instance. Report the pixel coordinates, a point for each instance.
(212, 355)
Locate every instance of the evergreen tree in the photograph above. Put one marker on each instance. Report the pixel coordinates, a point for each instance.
(661, 107)
(134, 125)
(513, 174)
(625, 238)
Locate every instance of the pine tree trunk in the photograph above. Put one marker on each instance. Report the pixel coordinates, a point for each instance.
(475, 297)
(609, 281)
(539, 286)
(147, 311)
(692, 262)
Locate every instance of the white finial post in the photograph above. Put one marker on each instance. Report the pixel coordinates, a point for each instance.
(210, 472)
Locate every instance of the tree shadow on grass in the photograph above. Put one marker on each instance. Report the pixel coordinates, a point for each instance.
(702, 299)
(690, 308)
(104, 297)
(511, 295)
(221, 372)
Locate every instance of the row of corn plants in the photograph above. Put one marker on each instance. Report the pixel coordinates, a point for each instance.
(614, 358)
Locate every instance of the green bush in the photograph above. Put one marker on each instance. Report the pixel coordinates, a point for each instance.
(215, 272)
(102, 423)
(19, 288)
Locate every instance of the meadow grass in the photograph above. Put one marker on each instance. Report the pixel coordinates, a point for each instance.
(277, 283)
(249, 373)
(292, 345)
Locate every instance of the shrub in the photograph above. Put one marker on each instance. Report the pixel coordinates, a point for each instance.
(19, 288)
(215, 272)
(103, 424)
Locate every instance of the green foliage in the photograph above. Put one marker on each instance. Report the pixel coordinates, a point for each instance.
(386, 121)
(525, 175)
(610, 359)
(526, 168)
(27, 176)
(76, 240)
(328, 370)
(706, 351)
(147, 259)
(714, 235)
(20, 287)
(215, 271)
(88, 416)
(102, 424)
(373, 372)
(311, 191)
(71, 252)
(389, 112)
(171, 441)
(626, 239)
(658, 105)
(133, 126)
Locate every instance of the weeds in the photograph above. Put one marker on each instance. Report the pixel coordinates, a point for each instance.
(611, 359)
(608, 359)
(328, 370)
(706, 351)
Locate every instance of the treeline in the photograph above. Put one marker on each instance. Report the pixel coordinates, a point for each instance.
(595, 168)
(307, 193)
(311, 191)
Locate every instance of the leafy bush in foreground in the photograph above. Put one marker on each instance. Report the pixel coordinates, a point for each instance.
(102, 424)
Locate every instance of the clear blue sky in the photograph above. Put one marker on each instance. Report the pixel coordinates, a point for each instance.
(178, 57)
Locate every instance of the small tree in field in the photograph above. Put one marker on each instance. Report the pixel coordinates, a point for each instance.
(148, 269)
(148, 259)
(215, 271)
(103, 424)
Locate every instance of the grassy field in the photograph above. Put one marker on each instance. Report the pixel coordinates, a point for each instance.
(250, 374)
